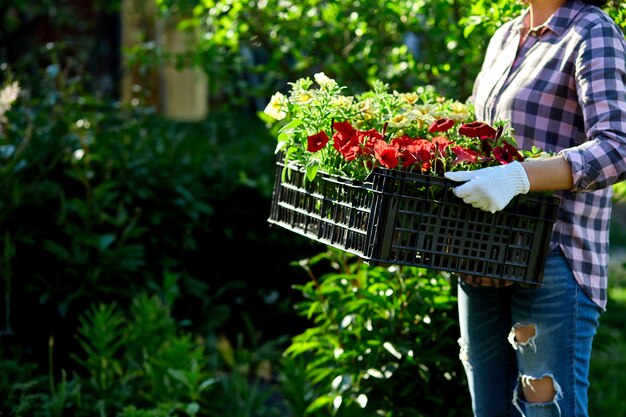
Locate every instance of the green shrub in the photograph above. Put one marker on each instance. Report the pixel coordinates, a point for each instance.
(138, 360)
(382, 341)
(101, 197)
(98, 201)
(249, 49)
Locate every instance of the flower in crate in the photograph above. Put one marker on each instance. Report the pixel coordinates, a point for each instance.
(322, 128)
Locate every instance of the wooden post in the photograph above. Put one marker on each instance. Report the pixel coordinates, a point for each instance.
(186, 89)
(178, 94)
(139, 84)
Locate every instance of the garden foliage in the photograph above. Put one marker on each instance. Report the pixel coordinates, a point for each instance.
(383, 341)
(99, 203)
(249, 48)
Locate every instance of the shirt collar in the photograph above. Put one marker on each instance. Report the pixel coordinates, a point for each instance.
(558, 22)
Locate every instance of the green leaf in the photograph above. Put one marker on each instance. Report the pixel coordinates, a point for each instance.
(299, 348)
(311, 171)
(56, 249)
(291, 125)
(282, 143)
(105, 241)
(207, 383)
(192, 408)
(319, 403)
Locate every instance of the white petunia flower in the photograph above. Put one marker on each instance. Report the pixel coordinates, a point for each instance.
(277, 107)
(323, 80)
(7, 96)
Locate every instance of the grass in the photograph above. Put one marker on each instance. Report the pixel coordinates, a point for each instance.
(608, 360)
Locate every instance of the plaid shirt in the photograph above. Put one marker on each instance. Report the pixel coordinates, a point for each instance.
(563, 90)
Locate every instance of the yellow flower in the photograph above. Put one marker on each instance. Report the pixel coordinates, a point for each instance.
(302, 97)
(342, 101)
(401, 120)
(410, 98)
(459, 111)
(367, 109)
(277, 107)
(425, 109)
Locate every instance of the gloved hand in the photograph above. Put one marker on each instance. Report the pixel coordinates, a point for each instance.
(492, 188)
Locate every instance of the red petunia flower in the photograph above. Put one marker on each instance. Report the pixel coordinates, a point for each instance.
(441, 125)
(477, 130)
(343, 127)
(346, 140)
(419, 152)
(506, 154)
(386, 154)
(402, 141)
(441, 143)
(367, 139)
(485, 146)
(349, 151)
(317, 141)
(464, 155)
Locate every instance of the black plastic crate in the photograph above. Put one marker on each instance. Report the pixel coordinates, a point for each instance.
(403, 218)
(330, 209)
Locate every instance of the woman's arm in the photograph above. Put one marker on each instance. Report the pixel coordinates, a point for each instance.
(549, 174)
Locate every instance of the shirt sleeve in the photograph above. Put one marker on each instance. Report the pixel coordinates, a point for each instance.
(600, 74)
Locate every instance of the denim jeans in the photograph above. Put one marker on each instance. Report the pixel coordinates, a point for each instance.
(496, 364)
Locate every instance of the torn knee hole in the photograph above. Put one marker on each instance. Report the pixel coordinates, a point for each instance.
(523, 335)
(541, 391)
(538, 390)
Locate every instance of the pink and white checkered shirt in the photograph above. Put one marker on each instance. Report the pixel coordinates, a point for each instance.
(563, 90)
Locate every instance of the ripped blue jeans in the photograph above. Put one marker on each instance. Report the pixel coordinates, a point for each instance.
(560, 322)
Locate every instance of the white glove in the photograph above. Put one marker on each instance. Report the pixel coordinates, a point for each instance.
(492, 188)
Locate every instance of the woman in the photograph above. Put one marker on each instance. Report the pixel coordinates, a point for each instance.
(557, 73)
